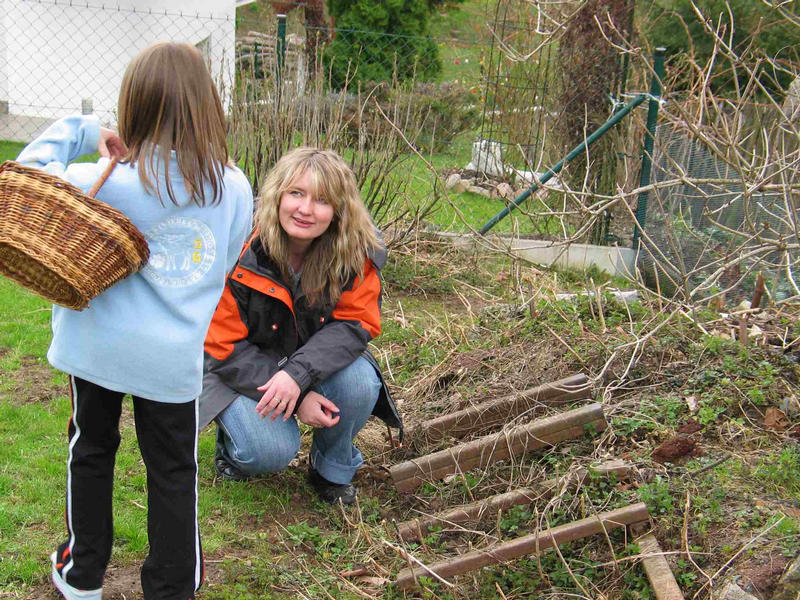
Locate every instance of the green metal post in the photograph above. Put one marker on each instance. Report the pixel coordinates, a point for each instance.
(649, 140)
(280, 49)
(577, 150)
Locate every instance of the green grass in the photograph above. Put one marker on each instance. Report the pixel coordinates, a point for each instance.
(10, 150)
(463, 40)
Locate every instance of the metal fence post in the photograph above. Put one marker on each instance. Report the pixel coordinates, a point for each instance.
(280, 47)
(649, 140)
(555, 169)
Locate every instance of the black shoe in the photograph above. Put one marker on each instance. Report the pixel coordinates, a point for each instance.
(331, 492)
(225, 469)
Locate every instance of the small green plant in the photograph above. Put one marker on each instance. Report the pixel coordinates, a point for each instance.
(657, 496)
(708, 413)
(515, 519)
(304, 534)
(782, 470)
(685, 575)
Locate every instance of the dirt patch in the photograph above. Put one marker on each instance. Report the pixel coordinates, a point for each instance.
(691, 426)
(675, 449)
(32, 382)
(124, 583)
(760, 576)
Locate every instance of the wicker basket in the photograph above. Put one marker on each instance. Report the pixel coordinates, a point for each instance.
(60, 243)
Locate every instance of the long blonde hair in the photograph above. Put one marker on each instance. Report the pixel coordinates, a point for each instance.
(168, 102)
(340, 252)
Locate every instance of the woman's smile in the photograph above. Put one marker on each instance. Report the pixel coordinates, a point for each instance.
(303, 222)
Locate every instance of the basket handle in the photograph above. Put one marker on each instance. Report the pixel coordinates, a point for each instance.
(102, 179)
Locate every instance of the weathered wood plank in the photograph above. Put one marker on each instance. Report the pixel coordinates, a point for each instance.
(488, 449)
(658, 572)
(530, 544)
(498, 412)
(414, 529)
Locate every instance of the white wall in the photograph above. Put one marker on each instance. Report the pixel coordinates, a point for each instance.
(58, 54)
(3, 58)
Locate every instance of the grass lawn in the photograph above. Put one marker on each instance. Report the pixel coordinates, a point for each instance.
(10, 150)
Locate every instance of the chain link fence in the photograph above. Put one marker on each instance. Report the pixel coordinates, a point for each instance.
(61, 57)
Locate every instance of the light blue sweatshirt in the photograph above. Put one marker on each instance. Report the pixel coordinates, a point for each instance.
(144, 335)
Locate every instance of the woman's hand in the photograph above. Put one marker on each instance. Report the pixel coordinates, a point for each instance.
(280, 395)
(110, 144)
(316, 410)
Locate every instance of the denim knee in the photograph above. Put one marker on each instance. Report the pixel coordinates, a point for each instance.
(256, 458)
(354, 389)
(257, 445)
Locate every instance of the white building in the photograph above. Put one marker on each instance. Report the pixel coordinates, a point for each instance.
(59, 57)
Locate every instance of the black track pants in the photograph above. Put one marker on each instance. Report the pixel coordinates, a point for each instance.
(167, 435)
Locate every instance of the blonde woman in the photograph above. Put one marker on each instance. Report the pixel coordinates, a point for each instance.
(144, 335)
(289, 337)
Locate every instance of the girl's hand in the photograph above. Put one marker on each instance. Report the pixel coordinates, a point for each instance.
(280, 395)
(110, 144)
(316, 410)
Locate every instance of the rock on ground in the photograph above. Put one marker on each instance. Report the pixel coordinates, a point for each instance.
(789, 584)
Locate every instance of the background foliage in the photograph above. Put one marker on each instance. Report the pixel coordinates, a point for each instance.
(677, 26)
(357, 41)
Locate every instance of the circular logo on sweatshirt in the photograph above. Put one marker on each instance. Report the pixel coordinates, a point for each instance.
(182, 251)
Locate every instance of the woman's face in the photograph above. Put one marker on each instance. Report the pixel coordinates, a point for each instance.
(303, 216)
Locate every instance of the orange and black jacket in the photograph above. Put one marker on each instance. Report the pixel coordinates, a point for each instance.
(262, 326)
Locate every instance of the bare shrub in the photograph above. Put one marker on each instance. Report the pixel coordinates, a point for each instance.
(725, 196)
(268, 116)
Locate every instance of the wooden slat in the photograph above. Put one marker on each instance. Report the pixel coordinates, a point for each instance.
(498, 412)
(414, 529)
(500, 446)
(658, 572)
(529, 544)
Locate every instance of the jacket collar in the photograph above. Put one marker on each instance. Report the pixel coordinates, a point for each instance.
(255, 258)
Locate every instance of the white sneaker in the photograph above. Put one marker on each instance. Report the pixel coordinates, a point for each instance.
(69, 592)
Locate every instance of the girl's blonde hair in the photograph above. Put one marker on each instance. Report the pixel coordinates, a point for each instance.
(168, 102)
(340, 252)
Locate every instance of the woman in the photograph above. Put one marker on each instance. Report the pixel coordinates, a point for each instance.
(290, 333)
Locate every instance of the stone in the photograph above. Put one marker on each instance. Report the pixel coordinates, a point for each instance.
(452, 181)
(790, 405)
(476, 189)
(461, 186)
(487, 158)
(789, 584)
(505, 191)
(731, 591)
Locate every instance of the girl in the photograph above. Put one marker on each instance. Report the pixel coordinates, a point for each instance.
(291, 331)
(144, 335)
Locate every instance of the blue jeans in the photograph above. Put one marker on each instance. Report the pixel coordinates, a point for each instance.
(258, 446)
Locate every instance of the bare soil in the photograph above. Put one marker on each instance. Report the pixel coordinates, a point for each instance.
(33, 382)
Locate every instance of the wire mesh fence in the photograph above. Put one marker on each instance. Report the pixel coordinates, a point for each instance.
(709, 229)
(63, 57)
(402, 108)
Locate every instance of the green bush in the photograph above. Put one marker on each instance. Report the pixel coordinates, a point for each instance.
(376, 41)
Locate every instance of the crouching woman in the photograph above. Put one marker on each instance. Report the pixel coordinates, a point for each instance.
(289, 337)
